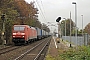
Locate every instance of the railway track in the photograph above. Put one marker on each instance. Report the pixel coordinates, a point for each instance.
(8, 49)
(41, 55)
(24, 51)
(5, 47)
(36, 52)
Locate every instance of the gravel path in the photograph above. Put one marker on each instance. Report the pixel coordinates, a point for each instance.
(53, 51)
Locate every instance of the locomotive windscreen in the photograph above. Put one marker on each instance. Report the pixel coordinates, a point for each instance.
(19, 28)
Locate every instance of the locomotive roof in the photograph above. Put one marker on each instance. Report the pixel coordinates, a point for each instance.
(26, 25)
(20, 25)
(32, 27)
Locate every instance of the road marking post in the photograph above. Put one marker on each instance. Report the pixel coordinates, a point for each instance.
(55, 42)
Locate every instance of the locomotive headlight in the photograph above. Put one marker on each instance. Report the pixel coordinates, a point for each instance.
(23, 36)
(22, 33)
(14, 33)
(13, 36)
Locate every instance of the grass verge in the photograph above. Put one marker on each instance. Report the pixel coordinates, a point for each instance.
(81, 53)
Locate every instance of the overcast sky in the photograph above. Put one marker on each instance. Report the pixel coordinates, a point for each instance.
(51, 9)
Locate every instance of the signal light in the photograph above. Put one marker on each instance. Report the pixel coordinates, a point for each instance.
(3, 17)
(58, 19)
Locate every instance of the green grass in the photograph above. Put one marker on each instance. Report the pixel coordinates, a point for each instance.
(49, 57)
(81, 53)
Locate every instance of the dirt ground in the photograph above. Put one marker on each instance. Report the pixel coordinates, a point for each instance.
(54, 48)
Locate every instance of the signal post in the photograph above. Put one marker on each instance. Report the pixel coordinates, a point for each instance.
(3, 29)
(59, 30)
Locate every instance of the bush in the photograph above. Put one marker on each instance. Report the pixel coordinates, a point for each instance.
(82, 53)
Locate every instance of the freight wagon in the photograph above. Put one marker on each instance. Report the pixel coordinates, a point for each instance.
(39, 33)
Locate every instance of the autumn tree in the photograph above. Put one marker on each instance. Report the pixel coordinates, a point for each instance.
(8, 33)
(87, 28)
(7, 8)
(62, 24)
(26, 10)
(45, 27)
(21, 7)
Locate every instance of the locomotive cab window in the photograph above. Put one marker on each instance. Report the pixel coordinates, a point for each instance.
(19, 28)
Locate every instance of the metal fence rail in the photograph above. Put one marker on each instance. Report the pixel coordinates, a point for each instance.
(81, 40)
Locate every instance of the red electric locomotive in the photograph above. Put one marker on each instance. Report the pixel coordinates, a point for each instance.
(23, 34)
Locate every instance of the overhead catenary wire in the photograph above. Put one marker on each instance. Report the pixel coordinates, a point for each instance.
(42, 13)
(43, 9)
(37, 7)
